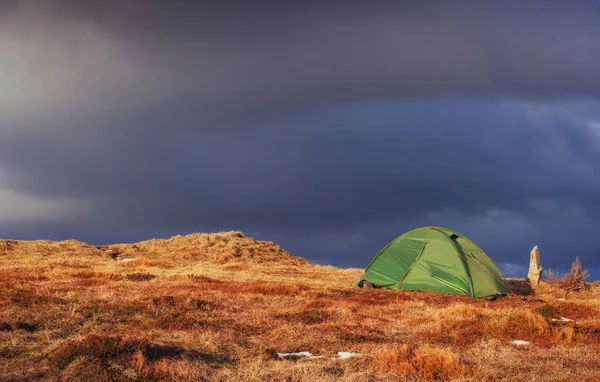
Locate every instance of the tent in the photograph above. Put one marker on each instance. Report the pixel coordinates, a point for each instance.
(435, 259)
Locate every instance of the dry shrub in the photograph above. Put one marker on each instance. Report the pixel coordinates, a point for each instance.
(425, 361)
(573, 281)
(552, 275)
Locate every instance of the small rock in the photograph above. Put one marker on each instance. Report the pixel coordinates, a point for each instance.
(564, 319)
(346, 355)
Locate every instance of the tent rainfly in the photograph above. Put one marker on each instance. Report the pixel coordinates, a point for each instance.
(435, 259)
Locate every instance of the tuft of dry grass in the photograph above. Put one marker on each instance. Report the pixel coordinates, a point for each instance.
(424, 361)
(189, 308)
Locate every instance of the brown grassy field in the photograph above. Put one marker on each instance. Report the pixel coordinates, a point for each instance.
(219, 307)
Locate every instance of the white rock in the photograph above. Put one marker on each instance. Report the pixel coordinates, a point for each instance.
(297, 355)
(306, 354)
(346, 355)
(564, 319)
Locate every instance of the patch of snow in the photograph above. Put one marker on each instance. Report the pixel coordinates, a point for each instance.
(346, 355)
(520, 342)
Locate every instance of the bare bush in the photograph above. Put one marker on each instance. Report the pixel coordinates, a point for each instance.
(573, 281)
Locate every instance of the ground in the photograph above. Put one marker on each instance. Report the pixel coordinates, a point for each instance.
(220, 307)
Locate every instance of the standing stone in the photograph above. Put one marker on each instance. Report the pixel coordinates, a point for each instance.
(535, 269)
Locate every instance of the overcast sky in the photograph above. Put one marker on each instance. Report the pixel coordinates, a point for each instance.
(328, 127)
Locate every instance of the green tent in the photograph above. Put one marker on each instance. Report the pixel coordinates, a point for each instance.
(435, 259)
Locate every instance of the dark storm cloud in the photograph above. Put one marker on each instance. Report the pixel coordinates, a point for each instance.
(250, 55)
(121, 120)
(374, 168)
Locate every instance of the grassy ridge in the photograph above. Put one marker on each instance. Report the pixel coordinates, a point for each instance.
(218, 307)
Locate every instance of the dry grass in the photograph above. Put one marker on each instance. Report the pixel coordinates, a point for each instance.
(217, 307)
(220, 248)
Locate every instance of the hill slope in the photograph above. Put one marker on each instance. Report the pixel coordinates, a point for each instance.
(220, 248)
(220, 306)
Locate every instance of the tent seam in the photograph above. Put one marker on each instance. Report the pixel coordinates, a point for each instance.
(460, 255)
(412, 266)
(380, 253)
(492, 274)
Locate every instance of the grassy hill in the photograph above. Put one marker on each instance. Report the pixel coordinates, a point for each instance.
(220, 307)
